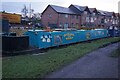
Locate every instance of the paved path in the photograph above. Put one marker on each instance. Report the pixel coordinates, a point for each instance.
(97, 64)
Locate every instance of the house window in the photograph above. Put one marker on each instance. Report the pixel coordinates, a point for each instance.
(93, 14)
(105, 20)
(112, 16)
(48, 23)
(113, 22)
(87, 19)
(116, 22)
(50, 15)
(72, 25)
(76, 17)
(66, 15)
(92, 19)
(85, 12)
(60, 25)
(76, 25)
(65, 25)
(102, 20)
(95, 18)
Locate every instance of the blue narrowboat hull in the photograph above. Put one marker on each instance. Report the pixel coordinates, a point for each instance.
(42, 39)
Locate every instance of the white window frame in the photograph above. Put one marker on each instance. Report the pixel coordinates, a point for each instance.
(60, 25)
(87, 19)
(105, 20)
(93, 14)
(66, 15)
(113, 22)
(91, 20)
(85, 12)
(116, 21)
(112, 16)
(50, 16)
(95, 18)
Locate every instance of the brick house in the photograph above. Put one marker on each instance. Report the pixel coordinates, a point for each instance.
(101, 18)
(114, 20)
(60, 17)
(78, 16)
(112, 17)
(84, 12)
(106, 19)
(117, 19)
(94, 17)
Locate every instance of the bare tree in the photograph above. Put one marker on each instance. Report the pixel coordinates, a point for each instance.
(24, 11)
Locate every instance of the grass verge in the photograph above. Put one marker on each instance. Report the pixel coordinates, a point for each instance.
(35, 66)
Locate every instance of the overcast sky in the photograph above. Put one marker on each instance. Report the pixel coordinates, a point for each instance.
(15, 6)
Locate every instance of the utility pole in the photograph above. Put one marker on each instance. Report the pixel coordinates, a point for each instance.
(30, 10)
(30, 16)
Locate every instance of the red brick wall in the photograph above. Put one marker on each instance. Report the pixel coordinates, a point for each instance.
(95, 20)
(59, 18)
(83, 18)
(62, 19)
(52, 17)
(71, 20)
(75, 19)
(46, 19)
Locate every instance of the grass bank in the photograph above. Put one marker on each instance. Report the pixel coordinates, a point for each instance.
(34, 66)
